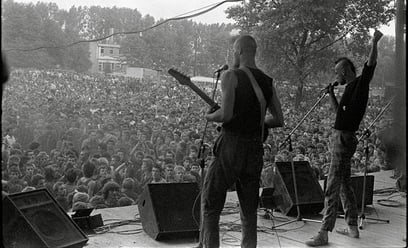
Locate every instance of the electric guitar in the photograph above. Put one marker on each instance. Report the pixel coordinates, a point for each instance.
(185, 80)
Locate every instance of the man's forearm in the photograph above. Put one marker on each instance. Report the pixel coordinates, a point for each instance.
(372, 59)
(216, 116)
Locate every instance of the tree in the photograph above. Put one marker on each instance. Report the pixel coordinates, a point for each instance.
(297, 37)
(35, 36)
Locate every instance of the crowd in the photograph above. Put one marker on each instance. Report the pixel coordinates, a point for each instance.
(98, 140)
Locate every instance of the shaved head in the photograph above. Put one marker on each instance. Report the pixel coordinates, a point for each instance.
(246, 44)
(244, 51)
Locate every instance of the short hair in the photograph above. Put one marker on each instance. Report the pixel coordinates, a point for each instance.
(109, 187)
(103, 160)
(125, 201)
(88, 169)
(96, 200)
(117, 157)
(193, 148)
(139, 153)
(179, 168)
(49, 173)
(128, 183)
(14, 168)
(80, 197)
(33, 146)
(79, 205)
(352, 67)
(56, 185)
(155, 166)
(302, 149)
(70, 175)
(36, 179)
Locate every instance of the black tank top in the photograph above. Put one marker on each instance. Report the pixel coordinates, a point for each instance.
(246, 116)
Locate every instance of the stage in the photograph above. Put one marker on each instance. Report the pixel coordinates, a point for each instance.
(374, 234)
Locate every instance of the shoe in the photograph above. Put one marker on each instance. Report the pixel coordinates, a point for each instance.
(318, 240)
(351, 231)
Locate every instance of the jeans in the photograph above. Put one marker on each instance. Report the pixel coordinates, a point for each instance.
(238, 159)
(339, 181)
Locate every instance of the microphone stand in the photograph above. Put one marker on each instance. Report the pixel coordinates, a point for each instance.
(289, 141)
(201, 160)
(366, 134)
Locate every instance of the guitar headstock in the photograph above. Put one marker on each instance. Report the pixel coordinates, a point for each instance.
(181, 77)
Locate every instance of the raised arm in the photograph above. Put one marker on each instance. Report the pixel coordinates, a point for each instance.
(372, 58)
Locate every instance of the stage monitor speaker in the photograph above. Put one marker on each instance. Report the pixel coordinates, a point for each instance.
(357, 185)
(310, 193)
(35, 219)
(170, 210)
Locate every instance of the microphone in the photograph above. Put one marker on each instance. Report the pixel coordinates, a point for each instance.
(223, 68)
(328, 86)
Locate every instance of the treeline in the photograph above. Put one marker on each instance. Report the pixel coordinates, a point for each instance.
(193, 47)
(298, 40)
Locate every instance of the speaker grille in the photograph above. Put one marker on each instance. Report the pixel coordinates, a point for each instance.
(310, 193)
(42, 221)
(170, 209)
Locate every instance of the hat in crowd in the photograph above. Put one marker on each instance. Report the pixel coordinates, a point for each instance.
(80, 197)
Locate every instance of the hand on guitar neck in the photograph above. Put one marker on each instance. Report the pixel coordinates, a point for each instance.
(185, 80)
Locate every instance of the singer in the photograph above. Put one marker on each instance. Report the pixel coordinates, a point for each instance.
(349, 113)
(238, 150)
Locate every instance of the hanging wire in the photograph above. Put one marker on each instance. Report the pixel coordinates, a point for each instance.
(176, 18)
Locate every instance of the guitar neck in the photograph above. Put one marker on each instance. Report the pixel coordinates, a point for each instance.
(203, 96)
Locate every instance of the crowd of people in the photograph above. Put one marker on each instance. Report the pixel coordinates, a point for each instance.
(98, 140)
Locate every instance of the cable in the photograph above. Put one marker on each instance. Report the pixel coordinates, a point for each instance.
(176, 18)
(107, 227)
(389, 203)
(386, 191)
(193, 208)
(276, 232)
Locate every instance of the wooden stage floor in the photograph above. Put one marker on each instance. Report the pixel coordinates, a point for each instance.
(374, 234)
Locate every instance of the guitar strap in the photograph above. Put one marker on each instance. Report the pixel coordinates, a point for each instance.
(259, 95)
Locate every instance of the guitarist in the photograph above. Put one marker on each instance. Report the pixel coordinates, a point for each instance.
(238, 151)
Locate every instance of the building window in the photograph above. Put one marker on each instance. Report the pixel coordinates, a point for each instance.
(111, 51)
(102, 50)
(100, 66)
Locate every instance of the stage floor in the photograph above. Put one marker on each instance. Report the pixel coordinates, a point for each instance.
(374, 234)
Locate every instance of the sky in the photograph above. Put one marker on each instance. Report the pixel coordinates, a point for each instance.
(171, 8)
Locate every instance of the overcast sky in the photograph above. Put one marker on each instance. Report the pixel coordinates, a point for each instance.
(170, 8)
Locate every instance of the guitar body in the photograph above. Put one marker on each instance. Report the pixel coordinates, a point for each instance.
(185, 80)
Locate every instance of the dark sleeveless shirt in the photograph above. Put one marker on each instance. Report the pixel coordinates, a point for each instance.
(246, 114)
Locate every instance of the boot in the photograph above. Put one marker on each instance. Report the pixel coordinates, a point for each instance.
(320, 239)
